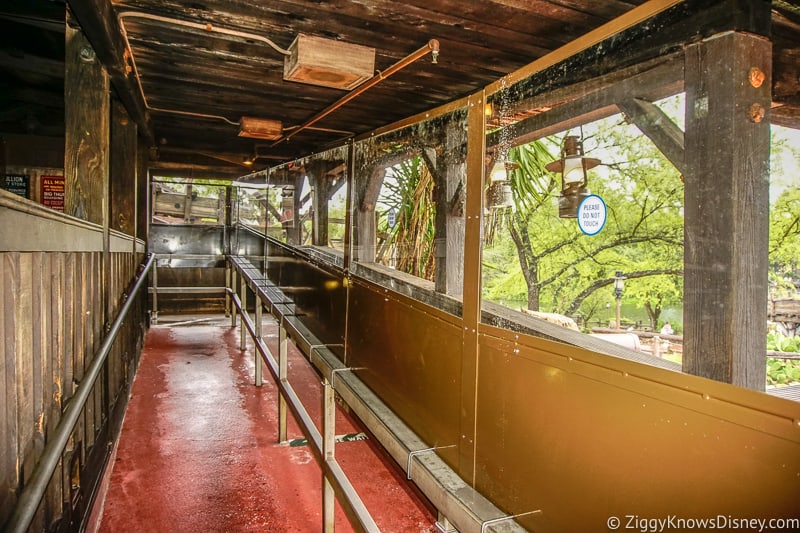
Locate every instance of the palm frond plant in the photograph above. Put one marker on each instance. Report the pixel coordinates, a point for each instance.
(408, 245)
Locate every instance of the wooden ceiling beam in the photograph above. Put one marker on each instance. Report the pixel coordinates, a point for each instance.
(600, 98)
(192, 170)
(98, 22)
(654, 123)
(22, 62)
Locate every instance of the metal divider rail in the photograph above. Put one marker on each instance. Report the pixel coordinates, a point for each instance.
(458, 502)
(336, 482)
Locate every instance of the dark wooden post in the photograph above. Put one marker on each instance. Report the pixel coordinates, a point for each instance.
(122, 187)
(726, 208)
(143, 190)
(449, 171)
(294, 233)
(226, 246)
(86, 93)
(317, 174)
(365, 223)
(187, 204)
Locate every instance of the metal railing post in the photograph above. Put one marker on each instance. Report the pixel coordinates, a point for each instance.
(328, 454)
(154, 313)
(233, 291)
(228, 284)
(258, 362)
(243, 299)
(283, 367)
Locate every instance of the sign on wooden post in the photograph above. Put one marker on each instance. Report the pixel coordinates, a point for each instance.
(19, 184)
(52, 195)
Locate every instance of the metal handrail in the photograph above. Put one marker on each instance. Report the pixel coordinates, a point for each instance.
(34, 490)
(354, 508)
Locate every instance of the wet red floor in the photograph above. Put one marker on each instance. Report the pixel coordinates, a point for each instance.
(199, 450)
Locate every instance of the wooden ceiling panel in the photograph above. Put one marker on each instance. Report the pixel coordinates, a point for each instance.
(191, 76)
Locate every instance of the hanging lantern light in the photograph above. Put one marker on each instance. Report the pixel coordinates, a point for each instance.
(498, 194)
(573, 166)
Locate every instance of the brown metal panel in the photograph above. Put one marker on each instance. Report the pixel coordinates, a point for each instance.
(314, 286)
(70, 324)
(91, 305)
(410, 355)
(111, 376)
(583, 437)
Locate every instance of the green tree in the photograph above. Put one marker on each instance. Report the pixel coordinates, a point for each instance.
(560, 266)
(784, 237)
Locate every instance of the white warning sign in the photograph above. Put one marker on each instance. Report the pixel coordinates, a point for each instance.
(592, 215)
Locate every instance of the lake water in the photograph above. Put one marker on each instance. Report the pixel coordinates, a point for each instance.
(629, 312)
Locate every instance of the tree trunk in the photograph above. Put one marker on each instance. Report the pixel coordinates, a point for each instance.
(529, 263)
(532, 281)
(653, 313)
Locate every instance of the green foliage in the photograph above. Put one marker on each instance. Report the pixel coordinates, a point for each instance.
(531, 183)
(408, 246)
(777, 341)
(784, 238)
(782, 371)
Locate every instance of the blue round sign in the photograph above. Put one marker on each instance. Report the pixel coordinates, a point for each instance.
(592, 215)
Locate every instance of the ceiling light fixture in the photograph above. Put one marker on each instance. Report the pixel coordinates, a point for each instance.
(260, 128)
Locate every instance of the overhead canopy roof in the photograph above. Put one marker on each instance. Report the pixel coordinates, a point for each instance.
(198, 66)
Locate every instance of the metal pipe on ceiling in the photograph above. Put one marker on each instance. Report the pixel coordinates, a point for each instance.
(235, 122)
(194, 114)
(431, 47)
(207, 27)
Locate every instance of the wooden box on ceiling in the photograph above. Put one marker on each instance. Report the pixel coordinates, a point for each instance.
(328, 63)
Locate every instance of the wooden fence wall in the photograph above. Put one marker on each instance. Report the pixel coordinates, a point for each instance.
(54, 307)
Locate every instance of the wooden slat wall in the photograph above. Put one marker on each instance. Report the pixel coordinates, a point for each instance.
(52, 321)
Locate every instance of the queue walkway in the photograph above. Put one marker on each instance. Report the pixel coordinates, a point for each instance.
(199, 448)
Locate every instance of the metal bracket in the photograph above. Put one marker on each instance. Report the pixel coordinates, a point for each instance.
(313, 347)
(411, 456)
(493, 521)
(424, 450)
(445, 528)
(336, 370)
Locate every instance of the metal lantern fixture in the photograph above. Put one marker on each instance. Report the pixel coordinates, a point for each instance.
(619, 286)
(498, 194)
(573, 166)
